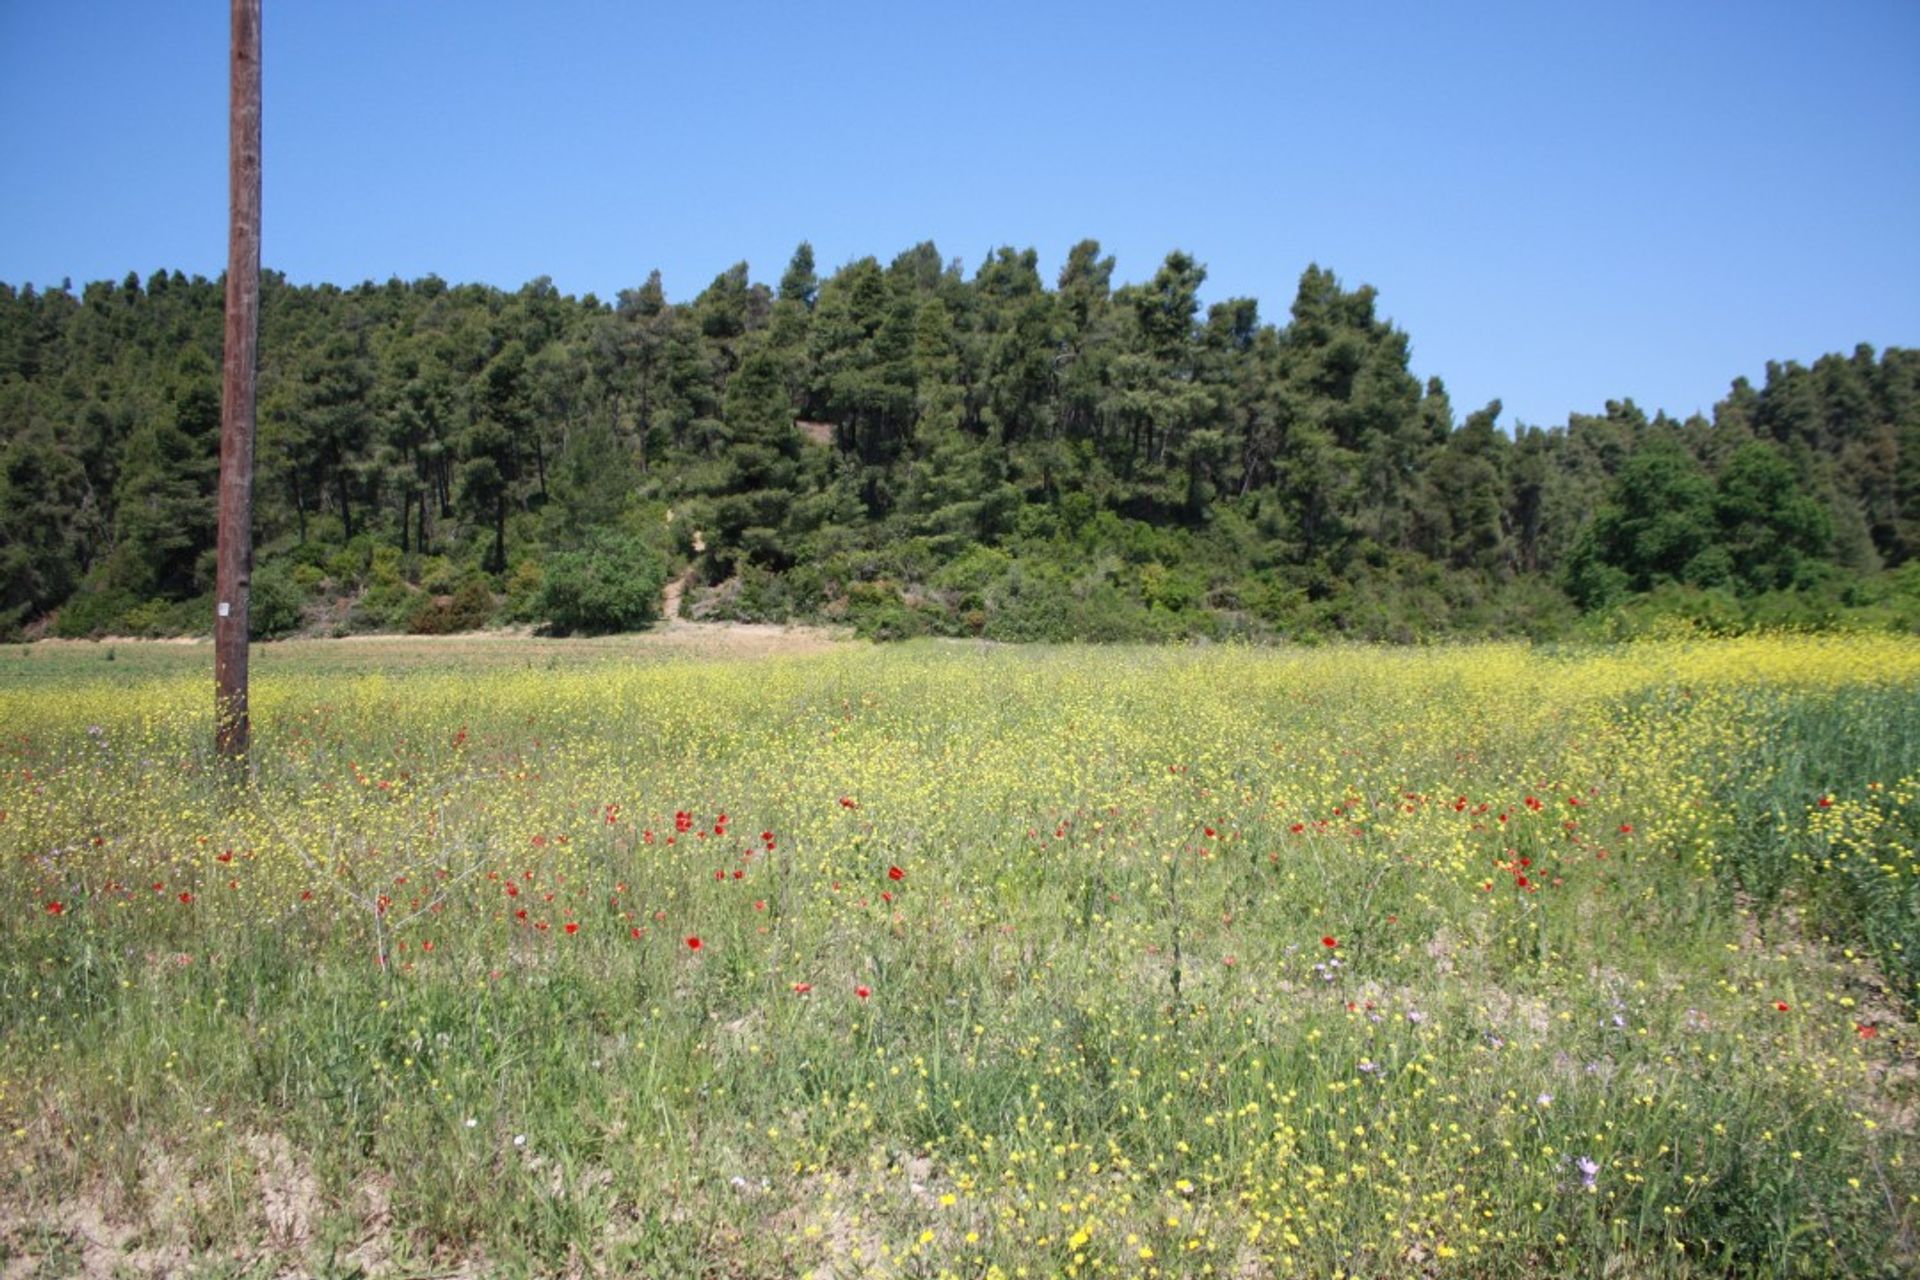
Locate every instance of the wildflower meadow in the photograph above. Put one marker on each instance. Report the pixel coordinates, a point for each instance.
(951, 960)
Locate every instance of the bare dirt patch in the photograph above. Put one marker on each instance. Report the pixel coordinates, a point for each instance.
(289, 1193)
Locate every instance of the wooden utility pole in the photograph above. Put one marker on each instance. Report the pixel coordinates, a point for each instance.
(233, 571)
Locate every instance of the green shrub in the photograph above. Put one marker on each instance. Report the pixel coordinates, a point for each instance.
(386, 606)
(613, 583)
(154, 619)
(348, 565)
(763, 597)
(523, 592)
(273, 608)
(438, 576)
(92, 614)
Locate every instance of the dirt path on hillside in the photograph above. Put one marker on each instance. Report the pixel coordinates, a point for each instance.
(671, 597)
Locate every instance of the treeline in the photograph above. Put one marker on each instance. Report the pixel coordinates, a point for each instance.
(913, 449)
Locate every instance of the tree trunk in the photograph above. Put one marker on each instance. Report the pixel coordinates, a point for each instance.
(340, 491)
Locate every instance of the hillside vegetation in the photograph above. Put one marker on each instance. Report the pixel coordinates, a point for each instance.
(911, 449)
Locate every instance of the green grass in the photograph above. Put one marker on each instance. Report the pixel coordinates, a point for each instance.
(1453, 962)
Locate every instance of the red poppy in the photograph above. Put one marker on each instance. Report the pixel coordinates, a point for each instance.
(801, 988)
(1329, 941)
(693, 944)
(862, 992)
(55, 908)
(895, 873)
(1781, 1005)
(634, 932)
(186, 897)
(848, 802)
(1866, 1029)
(572, 927)
(1826, 802)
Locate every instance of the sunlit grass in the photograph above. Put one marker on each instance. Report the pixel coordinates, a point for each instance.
(1474, 961)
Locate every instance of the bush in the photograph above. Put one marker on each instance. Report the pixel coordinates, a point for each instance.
(438, 576)
(154, 619)
(523, 592)
(878, 611)
(348, 566)
(468, 609)
(611, 584)
(761, 597)
(92, 613)
(386, 606)
(273, 605)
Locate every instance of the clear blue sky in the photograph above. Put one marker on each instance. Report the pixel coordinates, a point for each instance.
(1561, 203)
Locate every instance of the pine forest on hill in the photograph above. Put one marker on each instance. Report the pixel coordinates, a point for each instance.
(910, 450)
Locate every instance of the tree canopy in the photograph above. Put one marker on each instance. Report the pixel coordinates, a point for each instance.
(912, 448)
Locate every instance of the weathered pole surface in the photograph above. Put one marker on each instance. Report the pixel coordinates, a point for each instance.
(233, 571)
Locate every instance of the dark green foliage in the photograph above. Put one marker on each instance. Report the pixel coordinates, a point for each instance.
(1768, 527)
(92, 612)
(274, 605)
(45, 535)
(914, 451)
(613, 583)
(1656, 527)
